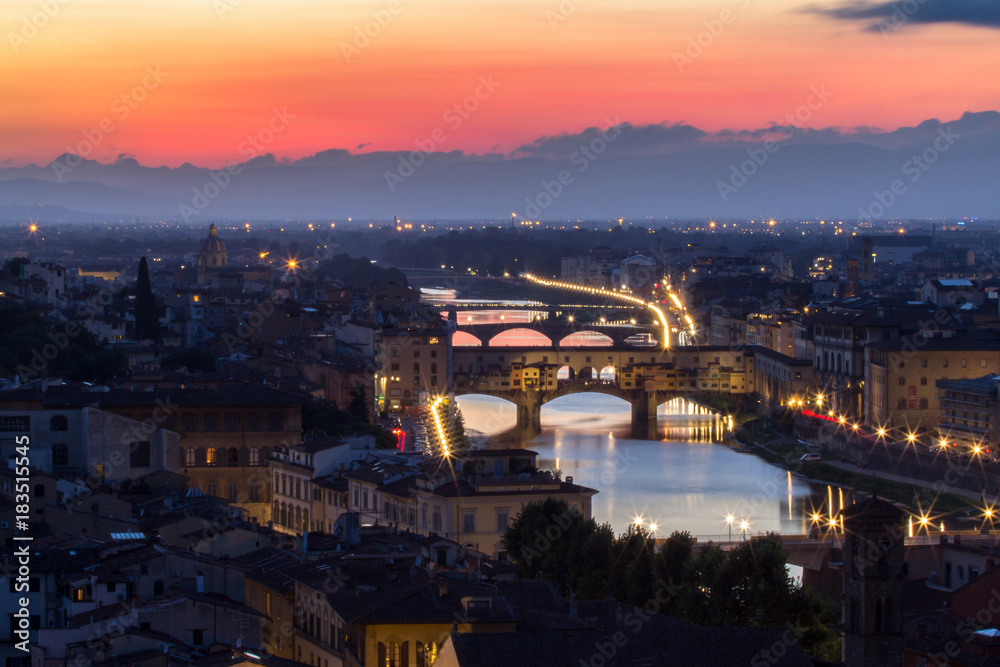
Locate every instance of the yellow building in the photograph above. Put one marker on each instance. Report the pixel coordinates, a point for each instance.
(901, 374)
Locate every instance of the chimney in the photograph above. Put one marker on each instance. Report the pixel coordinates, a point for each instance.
(957, 540)
(944, 539)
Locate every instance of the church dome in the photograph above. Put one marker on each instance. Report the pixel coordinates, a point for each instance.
(213, 243)
(213, 251)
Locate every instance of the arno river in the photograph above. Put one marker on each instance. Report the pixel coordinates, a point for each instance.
(686, 480)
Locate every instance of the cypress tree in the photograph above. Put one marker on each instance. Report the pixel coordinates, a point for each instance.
(147, 321)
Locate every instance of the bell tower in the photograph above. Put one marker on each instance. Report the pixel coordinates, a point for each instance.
(873, 576)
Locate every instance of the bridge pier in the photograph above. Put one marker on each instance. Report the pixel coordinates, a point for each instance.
(529, 414)
(644, 416)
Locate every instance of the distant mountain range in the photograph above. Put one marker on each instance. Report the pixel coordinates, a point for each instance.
(932, 170)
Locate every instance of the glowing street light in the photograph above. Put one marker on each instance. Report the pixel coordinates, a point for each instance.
(729, 520)
(744, 527)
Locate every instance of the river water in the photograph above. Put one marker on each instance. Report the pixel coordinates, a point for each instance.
(686, 481)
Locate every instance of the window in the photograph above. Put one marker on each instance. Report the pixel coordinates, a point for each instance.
(436, 519)
(982, 363)
(232, 492)
(233, 421)
(60, 455)
(58, 423)
(503, 518)
(39, 490)
(416, 354)
(210, 457)
(233, 457)
(923, 363)
(253, 421)
(138, 455)
(211, 422)
(190, 422)
(944, 363)
(964, 363)
(430, 653)
(901, 404)
(254, 456)
(15, 424)
(197, 637)
(469, 522)
(923, 382)
(392, 655)
(254, 492)
(189, 457)
(923, 403)
(212, 489)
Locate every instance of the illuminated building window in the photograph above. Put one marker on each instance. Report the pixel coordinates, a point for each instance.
(210, 457)
(189, 459)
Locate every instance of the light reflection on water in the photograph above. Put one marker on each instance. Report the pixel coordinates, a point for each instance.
(683, 482)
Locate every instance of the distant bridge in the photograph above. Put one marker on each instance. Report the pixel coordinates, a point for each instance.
(556, 331)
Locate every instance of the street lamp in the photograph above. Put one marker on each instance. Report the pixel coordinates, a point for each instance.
(744, 526)
(729, 521)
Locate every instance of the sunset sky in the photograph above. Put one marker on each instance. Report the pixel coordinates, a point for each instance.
(226, 65)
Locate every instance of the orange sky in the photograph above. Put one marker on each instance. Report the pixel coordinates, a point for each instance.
(226, 65)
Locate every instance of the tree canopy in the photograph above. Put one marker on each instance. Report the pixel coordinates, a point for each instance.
(746, 585)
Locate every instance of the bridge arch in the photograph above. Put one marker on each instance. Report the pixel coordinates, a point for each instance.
(608, 374)
(587, 339)
(520, 337)
(566, 374)
(465, 339)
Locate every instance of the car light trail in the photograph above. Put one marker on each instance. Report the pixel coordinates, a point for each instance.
(611, 295)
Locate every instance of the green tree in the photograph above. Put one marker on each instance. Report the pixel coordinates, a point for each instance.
(632, 578)
(147, 317)
(550, 540)
(14, 265)
(358, 407)
(30, 348)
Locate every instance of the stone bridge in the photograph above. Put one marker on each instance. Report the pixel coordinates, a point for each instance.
(529, 377)
(558, 330)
